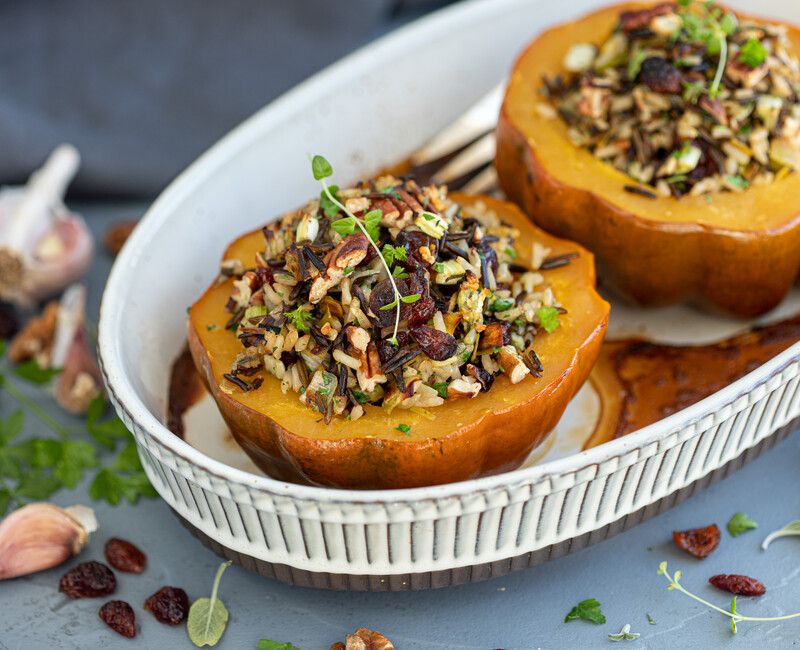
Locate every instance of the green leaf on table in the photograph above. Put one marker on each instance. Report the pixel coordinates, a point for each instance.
(266, 644)
(106, 432)
(46, 452)
(740, 523)
(208, 616)
(76, 456)
(32, 372)
(5, 500)
(11, 427)
(37, 485)
(113, 487)
(128, 458)
(587, 610)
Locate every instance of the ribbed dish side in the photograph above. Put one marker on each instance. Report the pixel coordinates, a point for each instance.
(474, 529)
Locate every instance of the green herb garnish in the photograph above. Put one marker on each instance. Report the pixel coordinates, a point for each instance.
(740, 523)
(208, 616)
(393, 254)
(266, 644)
(300, 318)
(328, 206)
(37, 467)
(738, 181)
(624, 634)
(403, 428)
(548, 318)
(587, 610)
(321, 169)
(441, 388)
(501, 304)
(650, 620)
(344, 227)
(635, 63)
(732, 613)
(753, 53)
(32, 372)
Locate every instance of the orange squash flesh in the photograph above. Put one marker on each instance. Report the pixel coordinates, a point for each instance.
(739, 253)
(463, 439)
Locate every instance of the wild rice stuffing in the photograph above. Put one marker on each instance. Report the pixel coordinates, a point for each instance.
(319, 311)
(685, 98)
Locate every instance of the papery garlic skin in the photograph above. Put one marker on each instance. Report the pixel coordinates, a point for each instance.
(40, 536)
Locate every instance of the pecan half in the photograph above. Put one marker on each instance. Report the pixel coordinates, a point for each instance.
(364, 639)
(350, 252)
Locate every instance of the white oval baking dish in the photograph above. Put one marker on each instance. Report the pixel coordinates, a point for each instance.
(371, 109)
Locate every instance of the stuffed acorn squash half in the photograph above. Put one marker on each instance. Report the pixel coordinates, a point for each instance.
(665, 138)
(389, 335)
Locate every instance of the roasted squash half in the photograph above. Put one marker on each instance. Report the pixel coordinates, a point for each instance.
(739, 253)
(467, 438)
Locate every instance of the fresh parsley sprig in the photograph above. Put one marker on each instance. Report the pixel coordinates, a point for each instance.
(322, 169)
(587, 610)
(35, 468)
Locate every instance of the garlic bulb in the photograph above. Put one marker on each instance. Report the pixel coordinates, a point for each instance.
(40, 536)
(43, 247)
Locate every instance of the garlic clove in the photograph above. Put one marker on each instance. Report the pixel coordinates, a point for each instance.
(43, 247)
(40, 536)
(79, 381)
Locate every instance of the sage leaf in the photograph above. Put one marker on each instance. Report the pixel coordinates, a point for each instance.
(208, 616)
(266, 644)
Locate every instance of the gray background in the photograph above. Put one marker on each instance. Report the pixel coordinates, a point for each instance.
(524, 610)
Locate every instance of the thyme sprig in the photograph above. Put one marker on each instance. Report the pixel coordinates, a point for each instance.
(710, 26)
(732, 613)
(792, 528)
(322, 169)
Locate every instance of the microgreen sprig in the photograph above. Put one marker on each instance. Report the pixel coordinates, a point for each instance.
(322, 169)
(732, 613)
(711, 27)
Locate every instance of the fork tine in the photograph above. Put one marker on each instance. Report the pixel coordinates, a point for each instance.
(484, 182)
(473, 157)
(477, 120)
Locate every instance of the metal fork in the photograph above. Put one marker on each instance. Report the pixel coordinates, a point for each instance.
(462, 154)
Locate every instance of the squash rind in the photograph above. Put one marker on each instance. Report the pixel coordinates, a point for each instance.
(490, 434)
(740, 254)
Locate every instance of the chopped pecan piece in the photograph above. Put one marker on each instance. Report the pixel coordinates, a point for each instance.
(350, 252)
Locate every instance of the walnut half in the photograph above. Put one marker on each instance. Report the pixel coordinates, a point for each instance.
(364, 639)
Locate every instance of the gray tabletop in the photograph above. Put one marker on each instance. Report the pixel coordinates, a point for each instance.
(523, 610)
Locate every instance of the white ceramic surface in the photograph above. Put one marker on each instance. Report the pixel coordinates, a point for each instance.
(368, 110)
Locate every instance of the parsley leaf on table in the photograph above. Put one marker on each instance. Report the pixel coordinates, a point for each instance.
(587, 610)
(32, 372)
(739, 523)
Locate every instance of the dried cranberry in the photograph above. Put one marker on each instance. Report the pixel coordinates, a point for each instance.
(739, 585)
(124, 556)
(660, 76)
(119, 616)
(88, 580)
(699, 542)
(382, 295)
(437, 345)
(421, 311)
(413, 241)
(169, 605)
